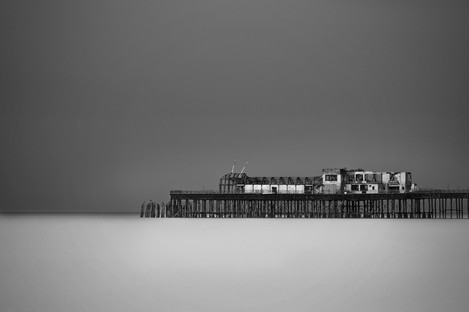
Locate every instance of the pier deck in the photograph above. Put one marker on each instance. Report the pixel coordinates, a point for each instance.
(207, 204)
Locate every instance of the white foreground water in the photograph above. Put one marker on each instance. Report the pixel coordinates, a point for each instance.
(124, 263)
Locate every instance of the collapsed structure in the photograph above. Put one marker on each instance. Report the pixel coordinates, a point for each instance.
(332, 181)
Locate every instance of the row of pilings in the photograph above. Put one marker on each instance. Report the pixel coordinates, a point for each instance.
(426, 206)
(151, 209)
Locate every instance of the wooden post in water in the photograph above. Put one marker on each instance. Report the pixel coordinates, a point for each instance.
(152, 212)
(142, 210)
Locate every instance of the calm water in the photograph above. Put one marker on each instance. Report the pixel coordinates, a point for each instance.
(124, 263)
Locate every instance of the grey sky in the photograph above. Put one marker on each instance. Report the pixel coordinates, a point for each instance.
(107, 103)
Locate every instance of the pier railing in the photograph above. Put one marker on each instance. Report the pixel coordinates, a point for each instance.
(419, 191)
(193, 192)
(446, 191)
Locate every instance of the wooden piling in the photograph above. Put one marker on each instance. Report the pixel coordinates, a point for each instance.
(216, 205)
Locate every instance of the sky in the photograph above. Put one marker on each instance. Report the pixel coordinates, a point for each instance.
(104, 104)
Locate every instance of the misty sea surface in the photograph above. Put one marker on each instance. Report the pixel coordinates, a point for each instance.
(80, 262)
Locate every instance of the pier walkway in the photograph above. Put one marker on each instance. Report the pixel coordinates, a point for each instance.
(210, 204)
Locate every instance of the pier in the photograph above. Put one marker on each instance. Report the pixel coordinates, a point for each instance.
(412, 205)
